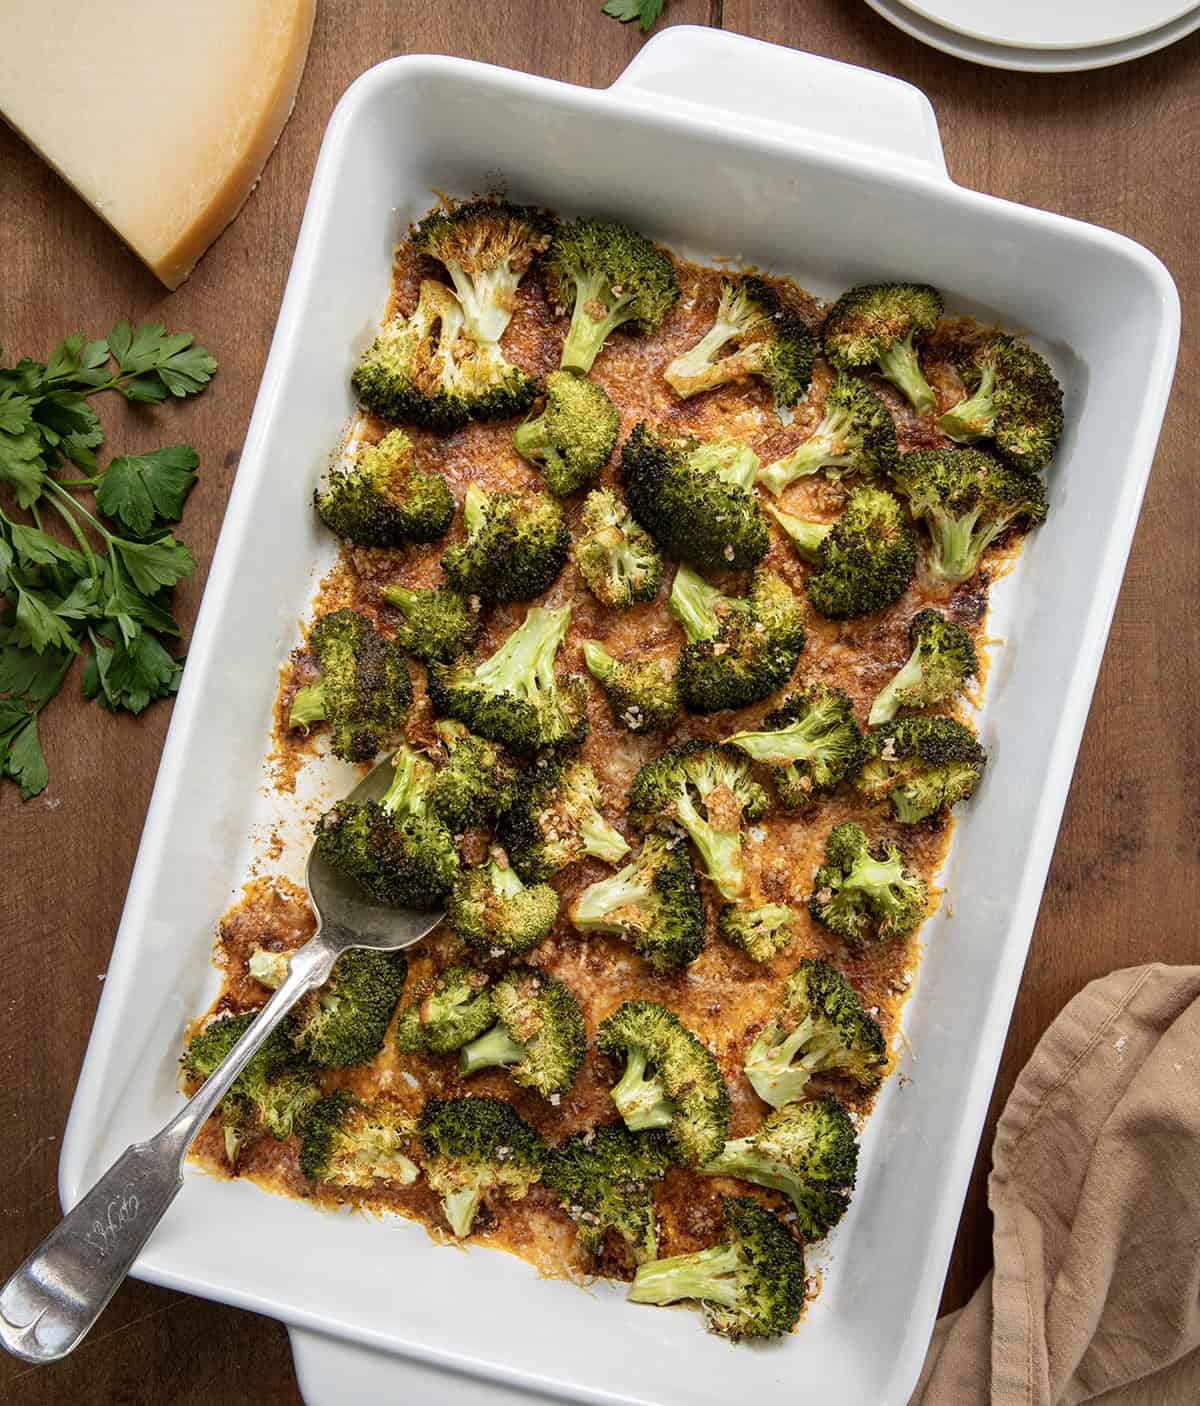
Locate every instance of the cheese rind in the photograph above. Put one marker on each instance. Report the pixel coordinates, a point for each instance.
(161, 117)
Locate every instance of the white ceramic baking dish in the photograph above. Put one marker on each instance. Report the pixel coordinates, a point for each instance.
(719, 146)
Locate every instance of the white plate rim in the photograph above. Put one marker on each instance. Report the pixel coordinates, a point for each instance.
(924, 10)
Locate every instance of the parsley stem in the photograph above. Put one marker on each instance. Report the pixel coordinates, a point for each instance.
(76, 531)
(78, 507)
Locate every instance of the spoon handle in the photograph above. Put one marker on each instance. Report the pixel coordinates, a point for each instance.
(51, 1302)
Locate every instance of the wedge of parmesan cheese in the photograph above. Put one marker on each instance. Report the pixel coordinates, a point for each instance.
(162, 116)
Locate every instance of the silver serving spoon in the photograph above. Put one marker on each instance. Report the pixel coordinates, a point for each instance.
(51, 1302)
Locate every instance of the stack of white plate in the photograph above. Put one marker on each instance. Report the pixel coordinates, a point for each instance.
(1044, 36)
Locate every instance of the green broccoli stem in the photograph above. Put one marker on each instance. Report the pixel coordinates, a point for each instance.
(739, 1158)
(460, 1207)
(600, 663)
(973, 417)
(720, 850)
(899, 365)
(525, 661)
(486, 297)
(628, 889)
(956, 545)
(494, 1048)
(409, 789)
(825, 448)
(531, 439)
(602, 840)
(692, 604)
(804, 535)
(308, 706)
(474, 509)
(641, 1102)
(709, 1274)
(700, 358)
(401, 597)
(889, 702)
(587, 334)
(506, 883)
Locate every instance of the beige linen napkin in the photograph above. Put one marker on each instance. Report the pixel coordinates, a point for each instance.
(1095, 1191)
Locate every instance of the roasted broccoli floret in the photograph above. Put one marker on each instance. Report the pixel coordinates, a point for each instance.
(1013, 398)
(362, 689)
(438, 625)
(476, 782)
(446, 1012)
(382, 500)
(806, 1150)
(426, 370)
(923, 765)
(864, 890)
(513, 696)
(494, 912)
(967, 499)
(671, 1081)
(516, 545)
(394, 847)
(761, 933)
(855, 435)
(605, 1181)
(866, 561)
(554, 819)
(477, 1147)
(539, 1035)
(768, 339)
(350, 1143)
(750, 1285)
(654, 903)
(272, 1094)
(739, 649)
(345, 1021)
(822, 1028)
(616, 558)
(811, 742)
(487, 248)
(573, 436)
(606, 276)
(708, 790)
(695, 498)
(943, 658)
(642, 696)
(879, 325)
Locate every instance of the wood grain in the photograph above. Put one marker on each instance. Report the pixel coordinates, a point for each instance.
(1118, 147)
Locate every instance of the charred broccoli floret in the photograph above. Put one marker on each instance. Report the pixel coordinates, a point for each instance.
(383, 500)
(473, 1148)
(750, 1285)
(1013, 399)
(822, 1028)
(516, 545)
(573, 436)
(539, 1035)
(446, 1013)
(967, 499)
(864, 890)
(476, 782)
(272, 1094)
(487, 248)
(739, 649)
(394, 847)
(811, 742)
(866, 561)
(605, 1181)
(695, 498)
(761, 933)
(879, 325)
(438, 625)
(943, 658)
(708, 790)
(362, 689)
(346, 1020)
(514, 696)
(426, 370)
(768, 340)
(671, 1081)
(806, 1150)
(350, 1143)
(654, 903)
(494, 912)
(855, 435)
(923, 766)
(642, 697)
(554, 819)
(616, 558)
(606, 277)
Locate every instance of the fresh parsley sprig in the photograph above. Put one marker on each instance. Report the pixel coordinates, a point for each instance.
(646, 12)
(107, 593)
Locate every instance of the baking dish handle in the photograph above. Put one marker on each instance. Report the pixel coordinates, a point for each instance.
(707, 74)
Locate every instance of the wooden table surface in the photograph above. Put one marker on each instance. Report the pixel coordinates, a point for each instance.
(1119, 147)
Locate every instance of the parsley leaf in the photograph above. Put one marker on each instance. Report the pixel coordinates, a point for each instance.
(154, 566)
(182, 368)
(130, 675)
(23, 760)
(142, 490)
(645, 11)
